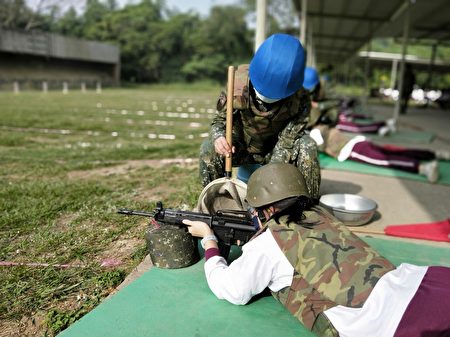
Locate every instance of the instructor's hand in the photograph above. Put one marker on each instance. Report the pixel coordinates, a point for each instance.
(222, 147)
(198, 228)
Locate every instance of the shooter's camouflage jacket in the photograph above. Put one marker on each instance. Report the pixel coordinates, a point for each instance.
(333, 140)
(332, 266)
(260, 131)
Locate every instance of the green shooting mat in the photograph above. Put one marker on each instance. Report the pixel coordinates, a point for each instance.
(327, 162)
(178, 303)
(402, 251)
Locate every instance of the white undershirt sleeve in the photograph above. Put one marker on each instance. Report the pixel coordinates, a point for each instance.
(261, 265)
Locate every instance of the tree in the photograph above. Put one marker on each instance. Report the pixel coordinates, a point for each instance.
(175, 44)
(14, 14)
(221, 40)
(156, 45)
(281, 15)
(69, 24)
(95, 12)
(134, 29)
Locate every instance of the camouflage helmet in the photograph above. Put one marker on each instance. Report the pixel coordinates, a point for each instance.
(274, 182)
(171, 247)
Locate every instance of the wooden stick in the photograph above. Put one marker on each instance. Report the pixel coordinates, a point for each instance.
(359, 230)
(229, 124)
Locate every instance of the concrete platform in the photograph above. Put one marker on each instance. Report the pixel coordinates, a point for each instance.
(400, 201)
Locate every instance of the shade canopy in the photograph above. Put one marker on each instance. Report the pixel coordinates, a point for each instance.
(341, 27)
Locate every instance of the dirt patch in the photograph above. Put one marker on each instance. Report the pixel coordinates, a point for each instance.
(120, 250)
(27, 326)
(62, 224)
(132, 165)
(157, 193)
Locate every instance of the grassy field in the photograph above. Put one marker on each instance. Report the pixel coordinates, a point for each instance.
(67, 163)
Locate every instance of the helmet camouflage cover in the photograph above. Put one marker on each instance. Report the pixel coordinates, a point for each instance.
(274, 182)
(170, 247)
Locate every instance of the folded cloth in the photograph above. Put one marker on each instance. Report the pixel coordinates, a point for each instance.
(435, 231)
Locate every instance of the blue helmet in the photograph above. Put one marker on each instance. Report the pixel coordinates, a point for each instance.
(276, 70)
(311, 78)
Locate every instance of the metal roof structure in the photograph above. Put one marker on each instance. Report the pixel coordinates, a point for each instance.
(334, 31)
(341, 27)
(385, 60)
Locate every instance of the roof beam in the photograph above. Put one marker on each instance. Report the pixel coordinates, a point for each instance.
(326, 49)
(430, 14)
(325, 54)
(427, 42)
(341, 37)
(346, 17)
(321, 13)
(395, 14)
(427, 31)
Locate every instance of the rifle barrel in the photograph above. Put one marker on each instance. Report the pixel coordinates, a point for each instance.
(132, 212)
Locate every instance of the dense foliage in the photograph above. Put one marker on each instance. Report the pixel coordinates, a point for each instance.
(157, 45)
(162, 45)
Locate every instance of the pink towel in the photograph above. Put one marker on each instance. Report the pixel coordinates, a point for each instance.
(435, 231)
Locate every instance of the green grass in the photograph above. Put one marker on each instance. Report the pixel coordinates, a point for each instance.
(67, 162)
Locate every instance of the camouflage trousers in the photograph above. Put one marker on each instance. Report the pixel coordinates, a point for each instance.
(322, 327)
(303, 154)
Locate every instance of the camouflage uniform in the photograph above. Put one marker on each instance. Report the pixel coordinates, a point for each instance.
(324, 113)
(332, 266)
(263, 134)
(333, 140)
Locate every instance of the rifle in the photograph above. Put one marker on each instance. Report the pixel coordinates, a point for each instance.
(228, 226)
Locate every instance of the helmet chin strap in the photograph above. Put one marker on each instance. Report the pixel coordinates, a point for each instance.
(264, 98)
(266, 213)
(262, 216)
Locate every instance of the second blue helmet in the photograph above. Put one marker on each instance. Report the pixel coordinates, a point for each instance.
(311, 78)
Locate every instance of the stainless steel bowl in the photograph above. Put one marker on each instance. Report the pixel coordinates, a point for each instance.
(351, 209)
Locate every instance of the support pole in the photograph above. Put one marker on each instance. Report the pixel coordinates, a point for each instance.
(310, 49)
(261, 13)
(303, 22)
(394, 73)
(65, 89)
(367, 68)
(406, 25)
(347, 72)
(16, 87)
(431, 65)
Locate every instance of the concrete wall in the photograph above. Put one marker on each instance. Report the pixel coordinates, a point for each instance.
(30, 58)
